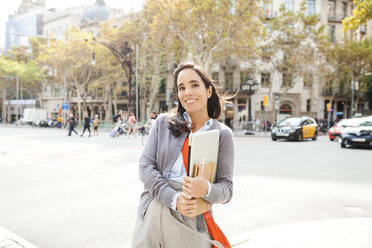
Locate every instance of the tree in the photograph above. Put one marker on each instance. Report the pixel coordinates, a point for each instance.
(154, 55)
(207, 31)
(31, 82)
(294, 50)
(11, 71)
(361, 14)
(71, 61)
(368, 83)
(119, 42)
(351, 61)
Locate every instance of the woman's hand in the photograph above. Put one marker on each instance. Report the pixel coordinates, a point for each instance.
(186, 205)
(195, 186)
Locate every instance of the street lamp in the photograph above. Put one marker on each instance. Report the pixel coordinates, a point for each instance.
(249, 87)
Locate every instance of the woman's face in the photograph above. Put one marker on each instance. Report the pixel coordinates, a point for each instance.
(192, 92)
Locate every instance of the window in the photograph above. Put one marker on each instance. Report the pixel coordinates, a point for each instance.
(233, 7)
(308, 81)
(344, 9)
(289, 5)
(267, 28)
(265, 79)
(45, 91)
(228, 81)
(310, 7)
(99, 93)
(56, 91)
(331, 32)
(244, 75)
(332, 10)
(268, 8)
(266, 53)
(162, 86)
(215, 77)
(285, 109)
(308, 105)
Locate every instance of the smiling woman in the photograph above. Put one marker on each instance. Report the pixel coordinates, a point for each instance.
(167, 206)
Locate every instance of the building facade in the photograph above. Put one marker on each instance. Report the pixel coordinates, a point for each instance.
(304, 98)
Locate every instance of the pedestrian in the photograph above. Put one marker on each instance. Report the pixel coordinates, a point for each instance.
(115, 117)
(258, 124)
(131, 124)
(118, 126)
(151, 121)
(168, 201)
(71, 125)
(86, 124)
(316, 119)
(95, 125)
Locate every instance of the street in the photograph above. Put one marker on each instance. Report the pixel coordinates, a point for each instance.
(59, 191)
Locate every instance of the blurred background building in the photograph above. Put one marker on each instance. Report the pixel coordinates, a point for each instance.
(304, 98)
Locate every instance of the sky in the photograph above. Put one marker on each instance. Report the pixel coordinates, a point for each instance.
(10, 6)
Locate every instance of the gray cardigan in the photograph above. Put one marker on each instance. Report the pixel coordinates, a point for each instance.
(160, 153)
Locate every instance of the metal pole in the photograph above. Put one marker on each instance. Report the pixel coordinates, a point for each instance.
(249, 109)
(17, 94)
(352, 97)
(137, 82)
(65, 100)
(265, 120)
(329, 116)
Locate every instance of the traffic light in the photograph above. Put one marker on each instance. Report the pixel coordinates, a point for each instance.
(328, 107)
(265, 101)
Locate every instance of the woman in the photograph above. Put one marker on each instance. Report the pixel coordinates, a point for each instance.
(167, 204)
(118, 126)
(86, 124)
(95, 125)
(131, 124)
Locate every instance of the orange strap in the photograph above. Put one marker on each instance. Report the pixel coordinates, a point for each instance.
(213, 229)
(185, 152)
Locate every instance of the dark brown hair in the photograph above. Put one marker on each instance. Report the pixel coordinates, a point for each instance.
(177, 123)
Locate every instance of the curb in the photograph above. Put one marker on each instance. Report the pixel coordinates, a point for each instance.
(11, 240)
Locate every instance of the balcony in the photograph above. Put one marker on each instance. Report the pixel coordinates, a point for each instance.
(327, 92)
(229, 62)
(270, 15)
(336, 17)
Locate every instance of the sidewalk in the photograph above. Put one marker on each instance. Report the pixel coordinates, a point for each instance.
(332, 233)
(11, 240)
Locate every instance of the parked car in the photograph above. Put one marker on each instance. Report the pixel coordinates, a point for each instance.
(358, 133)
(296, 128)
(335, 131)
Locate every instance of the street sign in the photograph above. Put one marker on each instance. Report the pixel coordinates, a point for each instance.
(65, 106)
(276, 104)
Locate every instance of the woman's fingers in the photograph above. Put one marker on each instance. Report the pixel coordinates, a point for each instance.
(195, 187)
(186, 205)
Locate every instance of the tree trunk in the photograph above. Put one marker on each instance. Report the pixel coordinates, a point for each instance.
(9, 115)
(115, 103)
(154, 89)
(109, 109)
(79, 107)
(3, 103)
(85, 109)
